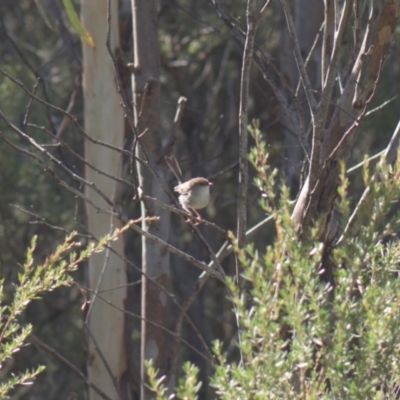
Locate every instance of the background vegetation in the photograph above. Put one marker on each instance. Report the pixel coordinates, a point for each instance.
(301, 338)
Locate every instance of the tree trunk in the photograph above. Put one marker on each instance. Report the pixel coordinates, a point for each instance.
(104, 120)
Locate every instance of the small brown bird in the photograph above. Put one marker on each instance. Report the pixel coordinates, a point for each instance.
(194, 193)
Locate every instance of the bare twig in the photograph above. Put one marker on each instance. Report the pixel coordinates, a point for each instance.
(173, 334)
(65, 121)
(359, 165)
(264, 7)
(30, 103)
(299, 59)
(310, 53)
(40, 219)
(125, 103)
(385, 103)
(70, 116)
(34, 71)
(103, 359)
(227, 249)
(199, 264)
(33, 143)
(100, 277)
(240, 36)
(392, 149)
(82, 159)
(243, 126)
(353, 215)
(53, 175)
(71, 366)
(178, 116)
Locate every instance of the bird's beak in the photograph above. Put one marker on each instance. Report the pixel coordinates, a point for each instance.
(210, 184)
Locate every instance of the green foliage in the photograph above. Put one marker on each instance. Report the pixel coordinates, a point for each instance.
(33, 282)
(76, 23)
(304, 335)
(156, 383)
(188, 386)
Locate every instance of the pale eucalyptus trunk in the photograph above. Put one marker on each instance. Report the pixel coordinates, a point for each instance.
(103, 120)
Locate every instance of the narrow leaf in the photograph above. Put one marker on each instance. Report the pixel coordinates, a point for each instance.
(77, 25)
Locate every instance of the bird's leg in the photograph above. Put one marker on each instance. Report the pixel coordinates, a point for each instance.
(189, 210)
(198, 216)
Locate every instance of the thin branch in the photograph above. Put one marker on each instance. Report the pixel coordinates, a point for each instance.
(53, 175)
(223, 171)
(338, 151)
(65, 121)
(80, 158)
(264, 7)
(353, 215)
(33, 143)
(225, 250)
(359, 165)
(217, 274)
(392, 149)
(240, 38)
(167, 150)
(116, 64)
(357, 121)
(248, 52)
(199, 264)
(243, 126)
(28, 109)
(184, 213)
(100, 277)
(70, 116)
(103, 359)
(203, 278)
(385, 103)
(161, 287)
(125, 104)
(328, 37)
(390, 154)
(327, 88)
(71, 366)
(333, 62)
(299, 59)
(40, 219)
(173, 334)
(34, 71)
(310, 53)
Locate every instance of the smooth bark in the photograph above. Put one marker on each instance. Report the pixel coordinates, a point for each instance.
(104, 120)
